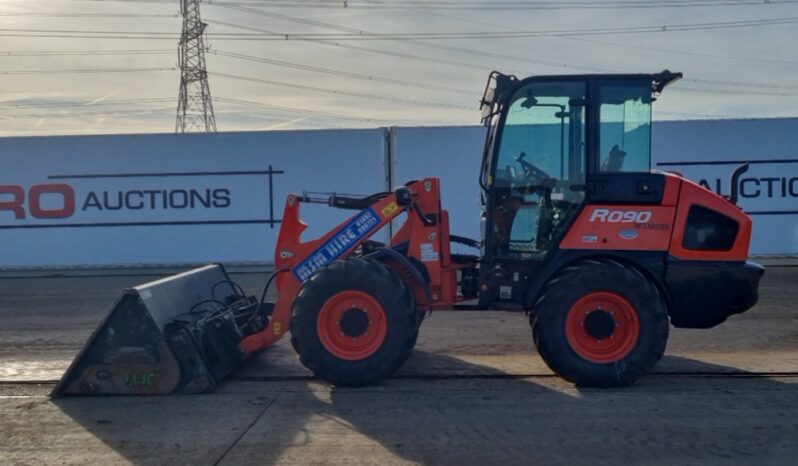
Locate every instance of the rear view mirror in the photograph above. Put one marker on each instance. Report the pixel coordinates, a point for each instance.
(529, 102)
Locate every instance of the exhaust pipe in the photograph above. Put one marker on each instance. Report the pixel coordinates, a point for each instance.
(735, 182)
(175, 335)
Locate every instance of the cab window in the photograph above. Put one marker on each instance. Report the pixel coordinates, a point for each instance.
(540, 169)
(625, 126)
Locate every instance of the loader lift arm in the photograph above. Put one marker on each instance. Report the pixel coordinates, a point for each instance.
(425, 261)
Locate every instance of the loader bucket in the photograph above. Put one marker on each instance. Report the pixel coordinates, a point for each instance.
(175, 335)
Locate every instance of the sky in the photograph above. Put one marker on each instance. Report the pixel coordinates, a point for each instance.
(117, 72)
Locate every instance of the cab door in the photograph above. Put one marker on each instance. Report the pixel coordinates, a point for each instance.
(537, 177)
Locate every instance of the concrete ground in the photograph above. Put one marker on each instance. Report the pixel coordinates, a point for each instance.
(474, 392)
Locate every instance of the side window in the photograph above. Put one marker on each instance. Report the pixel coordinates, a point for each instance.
(625, 127)
(708, 230)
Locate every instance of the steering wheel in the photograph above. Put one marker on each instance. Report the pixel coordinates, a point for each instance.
(530, 171)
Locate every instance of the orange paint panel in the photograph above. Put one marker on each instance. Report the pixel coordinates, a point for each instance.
(673, 184)
(614, 227)
(693, 194)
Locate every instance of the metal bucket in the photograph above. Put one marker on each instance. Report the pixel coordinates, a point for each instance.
(175, 335)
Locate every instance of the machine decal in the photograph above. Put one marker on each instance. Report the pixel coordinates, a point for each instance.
(428, 253)
(339, 243)
(628, 234)
(653, 226)
(621, 228)
(389, 209)
(620, 216)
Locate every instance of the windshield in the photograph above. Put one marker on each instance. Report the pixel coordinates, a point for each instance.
(544, 135)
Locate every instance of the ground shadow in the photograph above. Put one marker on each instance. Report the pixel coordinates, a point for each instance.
(486, 418)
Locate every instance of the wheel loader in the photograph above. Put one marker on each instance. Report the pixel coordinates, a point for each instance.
(601, 253)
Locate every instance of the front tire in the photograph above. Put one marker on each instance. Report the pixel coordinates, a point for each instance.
(600, 324)
(353, 322)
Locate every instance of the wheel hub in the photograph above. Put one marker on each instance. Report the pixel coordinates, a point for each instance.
(354, 322)
(352, 325)
(602, 327)
(599, 324)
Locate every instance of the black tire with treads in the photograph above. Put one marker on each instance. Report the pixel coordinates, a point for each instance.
(548, 321)
(379, 282)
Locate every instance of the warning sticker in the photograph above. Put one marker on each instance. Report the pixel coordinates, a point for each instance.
(428, 253)
(389, 209)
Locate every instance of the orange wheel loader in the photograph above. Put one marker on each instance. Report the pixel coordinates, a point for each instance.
(602, 254)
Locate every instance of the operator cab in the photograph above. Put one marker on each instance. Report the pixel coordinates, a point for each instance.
(550, 139)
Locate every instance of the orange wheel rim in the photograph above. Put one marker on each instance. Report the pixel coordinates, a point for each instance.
(352, 325)
(602, 327)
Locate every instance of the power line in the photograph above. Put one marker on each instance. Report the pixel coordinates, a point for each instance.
(509, 57)
(345, 74)
(685, 52)
(47, 35)
(358, 48)
(743, 84)
(692, 80)
(363, 35)
(516, 5)
(106, 112)
(379, 79)
(734, 92)
(88, 104)
(87, 31)
(345, 93)
(85, 114)
(85, 15)
(302, 110)
(593, 40)
(418, 43)
(478, 5)
(500, 5)
(318, 113)
(88, 71)
(82, 52)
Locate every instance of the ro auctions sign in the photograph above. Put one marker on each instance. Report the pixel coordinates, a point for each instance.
(127, 199)
(172, 199)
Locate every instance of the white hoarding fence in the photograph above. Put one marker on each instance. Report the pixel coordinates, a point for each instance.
(452, 154)
(98, 201)
(707, 152)
(171, 199)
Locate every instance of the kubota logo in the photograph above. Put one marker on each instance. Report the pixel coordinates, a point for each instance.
(33, 200)
(620, 216)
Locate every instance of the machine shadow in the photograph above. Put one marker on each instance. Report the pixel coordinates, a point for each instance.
(483, 416)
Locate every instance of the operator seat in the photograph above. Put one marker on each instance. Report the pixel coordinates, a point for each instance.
(614, 161)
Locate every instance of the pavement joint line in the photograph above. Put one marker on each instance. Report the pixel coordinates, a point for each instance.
(303, 378)
(249, 427)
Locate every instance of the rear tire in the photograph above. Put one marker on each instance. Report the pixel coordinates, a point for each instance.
(353, 322)
(600, 324)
